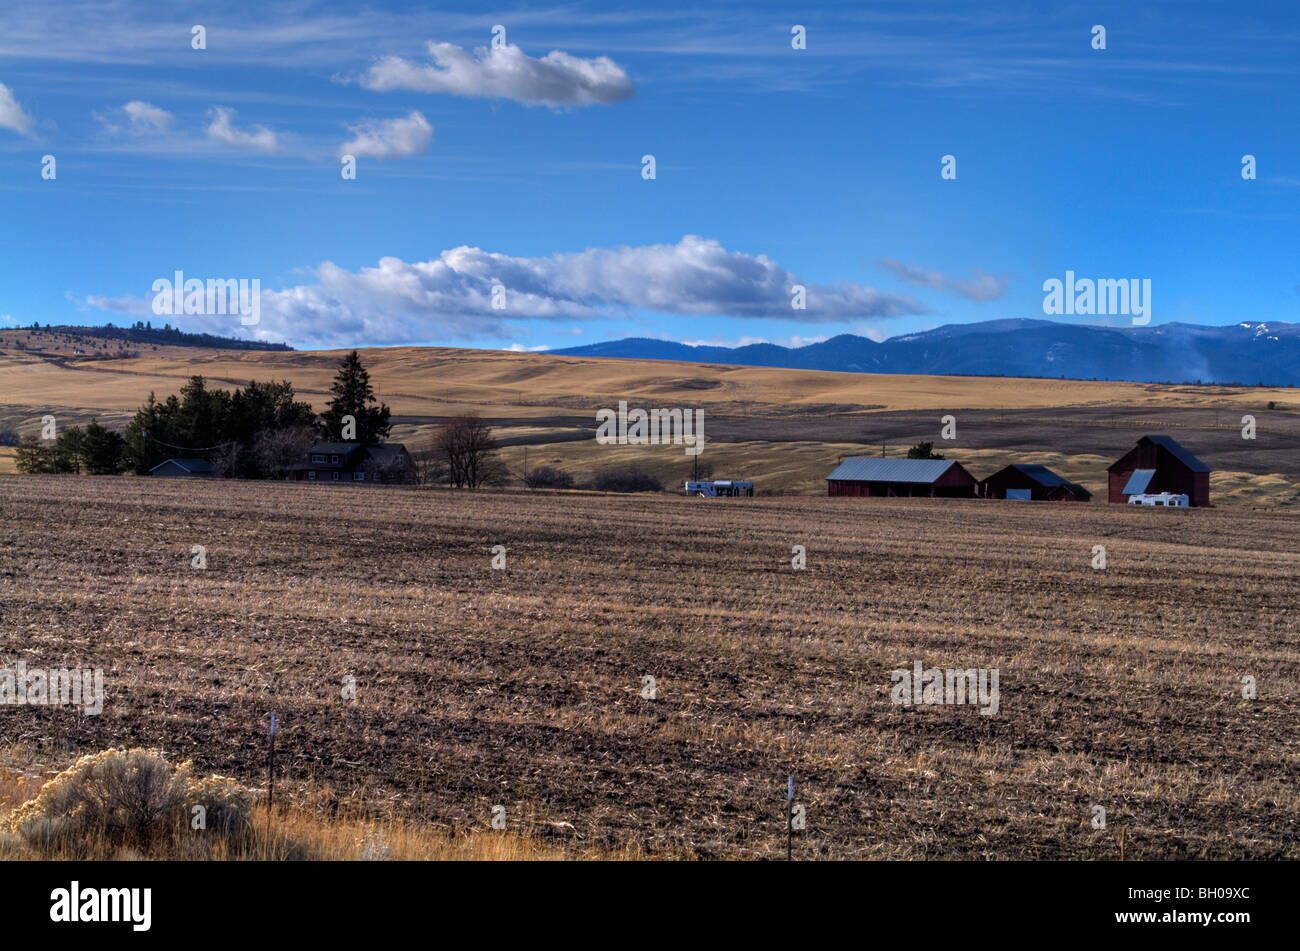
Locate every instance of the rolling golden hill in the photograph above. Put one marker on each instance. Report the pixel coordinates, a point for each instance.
(538, 400)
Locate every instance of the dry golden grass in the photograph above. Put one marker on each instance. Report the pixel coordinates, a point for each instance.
(295, 833)
(475, 687)
(438, 380)
(760, 421)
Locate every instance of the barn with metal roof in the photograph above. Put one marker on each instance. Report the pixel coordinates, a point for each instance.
(1159, 464)
(1032, 482)
(900, 478)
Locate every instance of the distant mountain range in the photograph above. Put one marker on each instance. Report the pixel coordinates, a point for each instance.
(1245, 353)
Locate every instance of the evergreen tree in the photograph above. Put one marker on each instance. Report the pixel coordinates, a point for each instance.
(102, 450)
(923, 450)
(353, 396)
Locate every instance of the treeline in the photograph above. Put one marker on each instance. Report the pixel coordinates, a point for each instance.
(250, 433)
(143, 331)
(257, 431)
(96, 450)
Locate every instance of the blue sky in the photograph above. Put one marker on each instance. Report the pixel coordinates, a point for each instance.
(521, 166)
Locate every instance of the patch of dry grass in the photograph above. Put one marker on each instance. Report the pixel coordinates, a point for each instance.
(101, 814)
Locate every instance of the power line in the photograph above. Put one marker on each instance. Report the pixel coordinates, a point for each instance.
(182, 448)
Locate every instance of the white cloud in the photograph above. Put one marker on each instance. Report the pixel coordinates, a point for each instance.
(390, 138)
(870, 332)
(520, 348)
(11, 113)
(146, 117)
(507, 72)
(982, 287)
(130, 306)
(451, 297)
(221, 129)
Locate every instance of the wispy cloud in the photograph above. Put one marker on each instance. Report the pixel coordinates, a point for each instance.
(146, 116)
(141, 118)
(222, 129)
(389, 138)
(506, 72)
(980, 287)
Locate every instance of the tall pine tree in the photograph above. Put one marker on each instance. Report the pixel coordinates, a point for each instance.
(353, 396)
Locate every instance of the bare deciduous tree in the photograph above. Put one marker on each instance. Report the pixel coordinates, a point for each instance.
(430, 467)
(225, 460)
(466, 445)
(279, 450)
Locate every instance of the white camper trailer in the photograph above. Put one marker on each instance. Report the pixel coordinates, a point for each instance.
(1163, 498)
(719, 488)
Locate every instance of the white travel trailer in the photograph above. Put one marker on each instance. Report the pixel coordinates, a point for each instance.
(719, 488)
(1163, 498)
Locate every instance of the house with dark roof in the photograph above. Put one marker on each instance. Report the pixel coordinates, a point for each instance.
(182, 469)
(900, 478)
(354, 463)
(1031, 482)
(1159, 464)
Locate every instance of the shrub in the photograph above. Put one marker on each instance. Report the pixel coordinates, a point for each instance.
(626, 479)
(8, 436)
(129, 800)
(544, 477)
(923, 450)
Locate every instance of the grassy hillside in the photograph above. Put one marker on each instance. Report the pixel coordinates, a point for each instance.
(783, 428)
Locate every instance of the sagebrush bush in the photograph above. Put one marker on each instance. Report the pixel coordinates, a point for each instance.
(130, 799)
(545, 477)
(626, 479)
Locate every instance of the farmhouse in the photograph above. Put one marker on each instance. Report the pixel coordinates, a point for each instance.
(182, 469)
(890, 478)
(353, 462)
(1038, 483)
(1158, 464)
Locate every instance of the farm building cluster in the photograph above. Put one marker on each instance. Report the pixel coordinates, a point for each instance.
(1157, 471)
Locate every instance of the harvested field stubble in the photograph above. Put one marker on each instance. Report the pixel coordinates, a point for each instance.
(1119, 687)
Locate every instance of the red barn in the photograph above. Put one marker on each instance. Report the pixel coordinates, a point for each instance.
(892, 478)
(1032, 482)
(1159, 464)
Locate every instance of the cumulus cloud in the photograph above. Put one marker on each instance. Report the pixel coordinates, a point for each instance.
(389, 138)
(222, 129)
(981, 287)
(146, 117)
(142, 118)
(452, 296)
(506, 72)
(11, 113)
